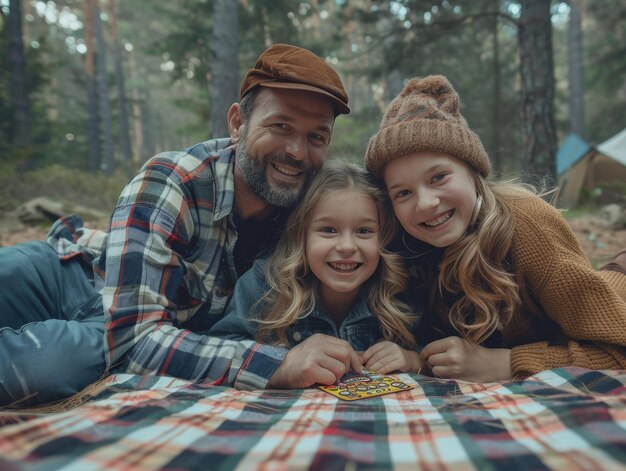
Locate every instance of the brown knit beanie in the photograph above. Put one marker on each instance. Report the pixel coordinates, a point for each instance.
(425, 117)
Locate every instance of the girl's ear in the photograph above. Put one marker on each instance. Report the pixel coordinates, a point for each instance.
(235, 123)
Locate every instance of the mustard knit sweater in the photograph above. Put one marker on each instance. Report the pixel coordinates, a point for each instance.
(571, 314)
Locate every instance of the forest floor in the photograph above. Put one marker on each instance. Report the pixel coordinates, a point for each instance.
(599, 244)
(12, 231)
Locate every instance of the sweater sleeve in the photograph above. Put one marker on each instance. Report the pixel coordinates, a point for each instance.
(588, 306)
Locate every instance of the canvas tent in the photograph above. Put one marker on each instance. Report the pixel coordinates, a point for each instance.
(583, 166)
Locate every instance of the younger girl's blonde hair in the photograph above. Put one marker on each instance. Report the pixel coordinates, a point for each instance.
(294, 288)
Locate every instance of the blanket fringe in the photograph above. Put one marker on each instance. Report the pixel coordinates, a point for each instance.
(11, 413)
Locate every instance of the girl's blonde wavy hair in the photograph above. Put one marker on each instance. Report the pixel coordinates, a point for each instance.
(476, 280)
(294, 288)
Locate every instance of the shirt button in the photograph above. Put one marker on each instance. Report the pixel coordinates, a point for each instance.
(221, 292)
(297, 336)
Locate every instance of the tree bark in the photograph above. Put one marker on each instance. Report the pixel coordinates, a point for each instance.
(108, 158)
(17, 61)
(125, 152)
(496, 154)
(265, 26)
(138, 148)
(93, 124)
(316, 21)
(148, 120)
(225, 76)
(576, 70)
(537, 88)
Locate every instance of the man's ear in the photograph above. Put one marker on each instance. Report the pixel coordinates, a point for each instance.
(235, 122)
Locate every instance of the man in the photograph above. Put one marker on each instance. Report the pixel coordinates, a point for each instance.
(184, 229)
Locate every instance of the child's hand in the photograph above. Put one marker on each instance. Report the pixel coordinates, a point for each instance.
(386, 356)
(454, 357)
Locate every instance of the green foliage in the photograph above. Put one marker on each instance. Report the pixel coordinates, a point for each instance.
(606, 69)
(612, 192)
(275, 20)
(188, 43)
(605, 193)
(351, 134)
(580, 210)
(412, 38)
(374, 45)
(98, 192)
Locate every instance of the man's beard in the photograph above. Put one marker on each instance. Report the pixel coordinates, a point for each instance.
(253, 171)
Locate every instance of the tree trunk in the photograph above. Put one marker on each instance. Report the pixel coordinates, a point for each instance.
(92, 96)
(138, 148)
(27, 9)
(225, 76)
(17, 60)
(537, 88)
(149, 144)
(265, 27)
(496, 154)
(575, 68)
(108, 163)
(394, 84)
(316, 21)
(125, 152)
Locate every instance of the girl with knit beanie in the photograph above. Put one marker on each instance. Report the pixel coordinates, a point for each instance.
(509, 291)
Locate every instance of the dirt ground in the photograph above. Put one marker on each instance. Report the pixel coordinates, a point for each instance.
(600, 244)
(13, 232)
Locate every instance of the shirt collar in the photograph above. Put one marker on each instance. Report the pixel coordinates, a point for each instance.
(223, 165)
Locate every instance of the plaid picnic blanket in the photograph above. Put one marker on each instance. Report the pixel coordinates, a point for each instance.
(565, 419)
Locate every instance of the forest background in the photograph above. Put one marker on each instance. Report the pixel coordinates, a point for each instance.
(90, 89)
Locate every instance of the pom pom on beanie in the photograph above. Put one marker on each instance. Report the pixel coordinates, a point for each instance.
(425, 117)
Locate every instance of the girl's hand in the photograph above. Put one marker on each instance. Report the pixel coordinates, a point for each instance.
(454, 357)
(385, 357)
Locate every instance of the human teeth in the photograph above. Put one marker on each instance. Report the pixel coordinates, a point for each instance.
(438, 221)
(344, 266)
(286, 170)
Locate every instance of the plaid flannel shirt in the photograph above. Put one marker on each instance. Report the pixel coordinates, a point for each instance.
(166, 270)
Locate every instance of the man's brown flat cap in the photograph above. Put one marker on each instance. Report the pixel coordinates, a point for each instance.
(294, 68)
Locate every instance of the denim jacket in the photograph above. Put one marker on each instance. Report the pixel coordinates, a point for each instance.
(360, 328)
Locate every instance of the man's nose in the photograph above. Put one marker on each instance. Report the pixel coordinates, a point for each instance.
(297, 147)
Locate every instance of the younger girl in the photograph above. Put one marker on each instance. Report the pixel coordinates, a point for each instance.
(329, 274)
(500, 266)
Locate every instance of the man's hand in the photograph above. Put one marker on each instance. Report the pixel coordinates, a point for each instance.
(454, 357)
(385, 357)
(320, 359)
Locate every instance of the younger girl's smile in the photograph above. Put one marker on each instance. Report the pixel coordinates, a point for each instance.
(343, 267)
(342, 244)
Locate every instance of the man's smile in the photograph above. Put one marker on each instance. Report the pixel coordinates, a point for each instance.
(288, 171)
